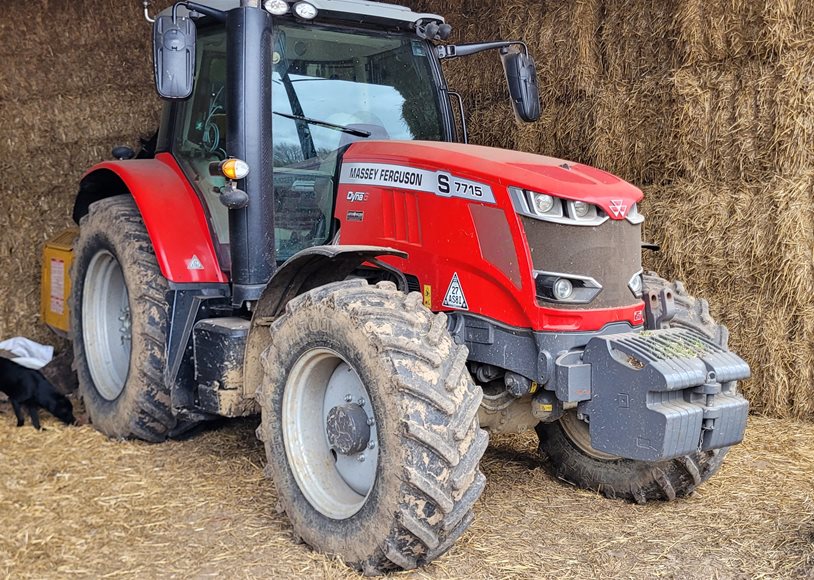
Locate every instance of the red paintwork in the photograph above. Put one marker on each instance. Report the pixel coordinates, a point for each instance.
(440, 236)
(173, 215)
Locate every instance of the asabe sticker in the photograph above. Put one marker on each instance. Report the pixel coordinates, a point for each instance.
(454, 297)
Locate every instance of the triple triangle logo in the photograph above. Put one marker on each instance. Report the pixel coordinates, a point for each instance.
(454, 297)
(618, 207)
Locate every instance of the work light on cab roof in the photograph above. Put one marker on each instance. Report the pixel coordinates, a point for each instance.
(276, 7)
(305, 10)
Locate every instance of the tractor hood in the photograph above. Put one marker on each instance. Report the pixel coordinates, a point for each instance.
(538, 173)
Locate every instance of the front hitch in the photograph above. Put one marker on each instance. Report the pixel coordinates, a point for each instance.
(661, 394)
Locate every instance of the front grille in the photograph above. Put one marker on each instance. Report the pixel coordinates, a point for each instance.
(609, 253)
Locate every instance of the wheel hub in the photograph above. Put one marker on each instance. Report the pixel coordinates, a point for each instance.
(330, 433)
(126, 328)
(347, 429)
(107, 324)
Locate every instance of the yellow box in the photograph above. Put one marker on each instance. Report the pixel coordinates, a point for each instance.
(57, 256)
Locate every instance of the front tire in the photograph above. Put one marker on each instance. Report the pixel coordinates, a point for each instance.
(568, 455)
(384, 361)
(119, 323)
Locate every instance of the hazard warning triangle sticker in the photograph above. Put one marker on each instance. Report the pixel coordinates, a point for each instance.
(194, 263)
(454, 297)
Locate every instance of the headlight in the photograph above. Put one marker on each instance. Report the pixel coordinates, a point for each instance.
(581, 209)
(543, 203)
(550, 208)
(636, 284)
(563, 289)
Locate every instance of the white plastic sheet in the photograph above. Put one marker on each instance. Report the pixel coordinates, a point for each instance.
(28, 353)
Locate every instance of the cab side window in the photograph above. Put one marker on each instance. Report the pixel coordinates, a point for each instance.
(200, 127)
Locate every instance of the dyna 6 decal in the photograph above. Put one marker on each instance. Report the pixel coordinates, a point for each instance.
(439, 183)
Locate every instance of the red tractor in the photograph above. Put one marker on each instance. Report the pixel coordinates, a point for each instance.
(313, 240)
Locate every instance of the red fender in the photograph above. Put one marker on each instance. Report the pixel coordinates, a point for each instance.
(173, 215)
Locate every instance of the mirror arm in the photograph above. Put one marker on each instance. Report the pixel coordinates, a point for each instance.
(146, 5)
(218, 15)
(457, 50)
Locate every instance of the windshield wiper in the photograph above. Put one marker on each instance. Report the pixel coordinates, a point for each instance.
(350, 131)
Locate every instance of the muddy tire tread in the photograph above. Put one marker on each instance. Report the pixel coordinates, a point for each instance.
(408, 336)
(148, 415)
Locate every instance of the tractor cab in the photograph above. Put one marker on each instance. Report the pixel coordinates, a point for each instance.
(331, 85)
(338, 72)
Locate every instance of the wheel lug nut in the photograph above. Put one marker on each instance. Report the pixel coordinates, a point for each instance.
(370, 422)
(361, 459)
(348, 398)
(371, 445)
(361, 402)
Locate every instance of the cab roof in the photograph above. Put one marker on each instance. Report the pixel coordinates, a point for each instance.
(352, 11)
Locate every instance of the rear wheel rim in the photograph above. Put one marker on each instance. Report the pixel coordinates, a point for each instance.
(106, 324)
(336, 484)
(579, 434)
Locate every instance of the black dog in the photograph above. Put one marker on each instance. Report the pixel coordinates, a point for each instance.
(28, 387)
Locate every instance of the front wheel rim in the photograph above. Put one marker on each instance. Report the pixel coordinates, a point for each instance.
(334, 464)
(579, 434)
(106, 324)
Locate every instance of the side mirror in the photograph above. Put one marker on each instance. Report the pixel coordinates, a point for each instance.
(174, 56)
(521, 75)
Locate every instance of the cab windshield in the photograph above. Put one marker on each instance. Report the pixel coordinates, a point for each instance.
(332, 87)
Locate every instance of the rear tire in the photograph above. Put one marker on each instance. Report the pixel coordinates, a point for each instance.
(119, 324)
(418, 396)
(568, 455)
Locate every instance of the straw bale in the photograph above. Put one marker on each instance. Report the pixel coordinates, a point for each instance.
(560, 36)
(562, 39)
(483, 121)
(793, 131)
(633, 133)
(749, 249)
(482, 88)
(789, 23)
(637, 39)
(747, 119)
(716, 30)
(65, 110)
(564, 128)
